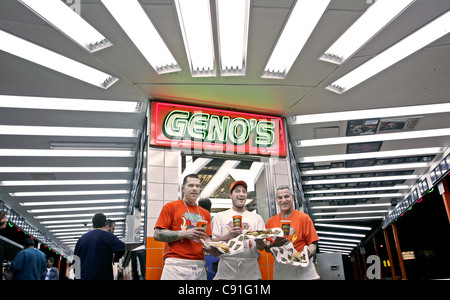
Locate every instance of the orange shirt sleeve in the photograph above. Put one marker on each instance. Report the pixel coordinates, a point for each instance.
(165, 217)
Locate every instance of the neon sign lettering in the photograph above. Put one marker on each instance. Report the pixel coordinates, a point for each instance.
(220, 131)
(212, 128)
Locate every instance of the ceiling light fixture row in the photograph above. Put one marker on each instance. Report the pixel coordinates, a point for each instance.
(195, 21)
(402, 49)
(55, 61)
(232, 30)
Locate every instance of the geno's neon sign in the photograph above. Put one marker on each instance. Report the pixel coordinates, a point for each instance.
(189, 127)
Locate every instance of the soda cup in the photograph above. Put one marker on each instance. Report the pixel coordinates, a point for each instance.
(237, 221)
(202, 224)
(286, 226)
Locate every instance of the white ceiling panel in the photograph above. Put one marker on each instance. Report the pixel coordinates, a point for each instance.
(421, 78)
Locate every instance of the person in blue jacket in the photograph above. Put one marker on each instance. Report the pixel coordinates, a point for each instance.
(52, 272)
(96, 250)
(30, 263)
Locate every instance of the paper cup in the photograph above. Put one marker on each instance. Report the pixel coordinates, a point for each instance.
(202, 224)
(237, 221)
(286, 226)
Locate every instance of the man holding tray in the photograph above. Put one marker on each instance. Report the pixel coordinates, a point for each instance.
(243, 264)
(301, 234)
(178, 227)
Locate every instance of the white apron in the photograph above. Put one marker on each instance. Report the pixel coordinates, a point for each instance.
(183, 269)
(237, 268)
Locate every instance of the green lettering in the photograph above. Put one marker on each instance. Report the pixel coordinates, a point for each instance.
(198, 125)
(175, 124)
(239, 131)
(265, 131)
(218, 129)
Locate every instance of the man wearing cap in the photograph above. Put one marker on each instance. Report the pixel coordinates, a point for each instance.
(242, 265)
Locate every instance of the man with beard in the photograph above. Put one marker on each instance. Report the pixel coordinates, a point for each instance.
(242, 265)
(177, 227)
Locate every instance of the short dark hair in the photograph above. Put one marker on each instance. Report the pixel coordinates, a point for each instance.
(109, 222)
(189, 176)
(205, 203)
(51, 259)
(99, 220)
(28, 242)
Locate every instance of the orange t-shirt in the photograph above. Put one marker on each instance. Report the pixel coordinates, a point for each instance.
(177, 216)
(302, 230)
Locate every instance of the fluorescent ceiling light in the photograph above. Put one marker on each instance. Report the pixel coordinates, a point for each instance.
(69, 236)
(367, 169)
(70, 104)
(232, 27)
(349, 219)
(361, 196)
(61, 182)
(72, 227)
(331, 250)
(341, 233)
(356, 190)
(73, 202)
(134, 21)
(377, 154)
(49, 210)
(339, 239)
(301, 23)
(350, 206)
(337, 244)
(63, 18)
(343, 226)
(343, 252)
(77, 215)
(66, 153)
(68, 193)
(361, 179)
(412, 43)
(65, 235)
(377, 16)
(52, 60)
(65, 169)
(374, 137)
(360, 212)
(83, 228)
(417, 110)
(67, 131)
(68, 222)
(195, 23)
(77, 221)
(80, 224)
(337, 247)
(92, 146)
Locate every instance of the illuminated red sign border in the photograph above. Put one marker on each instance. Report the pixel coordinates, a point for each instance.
(266, 125)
